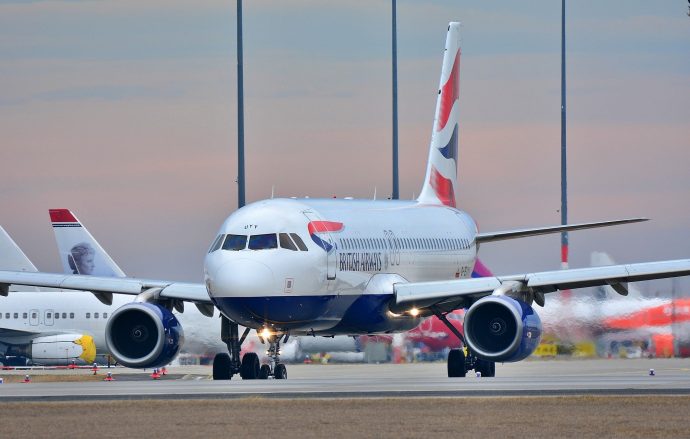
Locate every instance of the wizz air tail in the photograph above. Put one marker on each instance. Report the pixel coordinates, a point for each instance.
(80, 253)
(441, 178)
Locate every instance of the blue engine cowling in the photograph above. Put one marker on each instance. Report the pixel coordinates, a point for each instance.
(143, 335)
(502, 329)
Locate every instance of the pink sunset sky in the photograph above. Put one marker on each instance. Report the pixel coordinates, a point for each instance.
(125, 112)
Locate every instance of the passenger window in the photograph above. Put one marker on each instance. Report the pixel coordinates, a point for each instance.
(57, 315)
(299, 242)
(216, 244)
(88, 315)
(286, 242)
(25, 315)
(105, 315)
(235, 242)
(71, 315)
(95, 315)
(48, 315)
(7, 315)
(263, 242)
(64, 315)
(34, 315)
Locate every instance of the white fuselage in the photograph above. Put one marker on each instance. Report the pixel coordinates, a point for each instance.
(343, 283)
(79, 312)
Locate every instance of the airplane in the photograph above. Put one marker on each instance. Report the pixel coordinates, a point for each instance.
(41, 325)
(289, 267)
(75, 243)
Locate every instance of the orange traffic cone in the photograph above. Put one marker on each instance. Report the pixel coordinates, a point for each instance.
(164, 371)
(27, 379)
(109, 377)
(94, 368)
(155, 375)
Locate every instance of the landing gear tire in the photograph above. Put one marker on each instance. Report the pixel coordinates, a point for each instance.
(250, 366)
(281, 372)
(221, 367)
(264, 372)
(456, 363)
(486, 368)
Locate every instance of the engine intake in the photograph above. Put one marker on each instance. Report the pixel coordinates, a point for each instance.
(143, 335)
(502, 329)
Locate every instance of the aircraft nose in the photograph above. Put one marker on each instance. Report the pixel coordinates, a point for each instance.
(242, 278)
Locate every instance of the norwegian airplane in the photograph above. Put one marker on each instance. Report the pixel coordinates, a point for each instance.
(288, 267)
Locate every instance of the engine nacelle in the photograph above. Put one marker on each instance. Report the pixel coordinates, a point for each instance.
(143, 335)
(502, 329)
(60, 349)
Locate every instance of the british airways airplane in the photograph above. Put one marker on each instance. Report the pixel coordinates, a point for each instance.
(287, 267)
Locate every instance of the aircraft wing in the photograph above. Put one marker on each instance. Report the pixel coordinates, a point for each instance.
(521, 233)
(462, 292)
(163, 289)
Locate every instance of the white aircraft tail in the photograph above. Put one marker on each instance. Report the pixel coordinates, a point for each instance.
(11, 256)
(80, 253)
(441, 179)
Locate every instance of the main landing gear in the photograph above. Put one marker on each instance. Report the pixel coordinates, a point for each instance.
(250, 368)
(459, 363)
(226, 365)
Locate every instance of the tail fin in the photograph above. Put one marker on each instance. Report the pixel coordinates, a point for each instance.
(442, 169)
(12, 258)
(80, 253)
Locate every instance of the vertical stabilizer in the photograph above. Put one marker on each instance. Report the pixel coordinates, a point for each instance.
(441, 178)
(11, 256)
(80, 253)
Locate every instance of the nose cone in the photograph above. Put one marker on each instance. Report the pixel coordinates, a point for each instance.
(242, 278)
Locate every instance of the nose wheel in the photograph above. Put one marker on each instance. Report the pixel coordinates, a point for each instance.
(274, 368)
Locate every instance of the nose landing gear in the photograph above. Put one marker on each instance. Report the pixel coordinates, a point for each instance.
(249, 368)
(274, 368)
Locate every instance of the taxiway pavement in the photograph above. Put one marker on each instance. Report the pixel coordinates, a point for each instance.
(530, 378)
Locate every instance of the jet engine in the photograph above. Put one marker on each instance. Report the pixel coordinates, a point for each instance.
(143, 335)
(502, 329)
(57, 350)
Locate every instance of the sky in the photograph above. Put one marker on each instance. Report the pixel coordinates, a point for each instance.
(125, 112)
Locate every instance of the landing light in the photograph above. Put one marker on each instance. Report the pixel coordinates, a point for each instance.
(414, 312)
(265, 333)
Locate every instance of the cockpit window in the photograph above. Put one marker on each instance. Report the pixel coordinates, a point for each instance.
(235, 242)
(263, 242)
(216, 244)
(286, 242)
(299, 242)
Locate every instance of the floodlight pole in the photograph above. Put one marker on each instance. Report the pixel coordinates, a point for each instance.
(564, 169)
(240, 111)
(396, 191)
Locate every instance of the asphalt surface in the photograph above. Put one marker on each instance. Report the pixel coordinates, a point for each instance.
(530, 378)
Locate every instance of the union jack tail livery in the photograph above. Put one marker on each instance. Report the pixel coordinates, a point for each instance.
(442, 169)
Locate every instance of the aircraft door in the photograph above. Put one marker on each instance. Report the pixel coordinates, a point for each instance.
(323, 239)
(48, 317)
(33, 317)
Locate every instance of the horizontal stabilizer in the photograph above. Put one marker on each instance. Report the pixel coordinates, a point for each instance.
(522, 233)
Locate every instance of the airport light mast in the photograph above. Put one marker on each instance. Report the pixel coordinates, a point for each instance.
(564, 170)
(240, 111)
(396, 191)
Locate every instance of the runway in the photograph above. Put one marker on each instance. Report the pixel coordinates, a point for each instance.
(530, 378)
